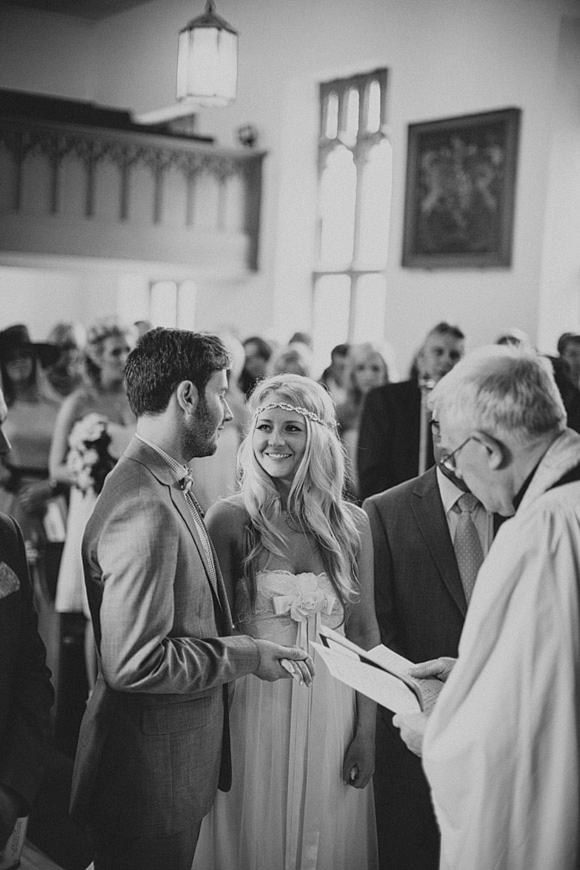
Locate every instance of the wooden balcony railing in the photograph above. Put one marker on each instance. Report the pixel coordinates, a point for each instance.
(69, 189)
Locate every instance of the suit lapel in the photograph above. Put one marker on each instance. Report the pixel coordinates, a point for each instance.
(144, 454)
(428, 511)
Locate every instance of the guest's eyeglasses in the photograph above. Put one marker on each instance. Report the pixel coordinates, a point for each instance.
(449, 460)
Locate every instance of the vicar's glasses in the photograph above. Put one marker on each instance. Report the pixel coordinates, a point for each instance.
(449, 460)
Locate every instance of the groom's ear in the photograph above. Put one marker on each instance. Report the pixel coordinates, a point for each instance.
(187, 396)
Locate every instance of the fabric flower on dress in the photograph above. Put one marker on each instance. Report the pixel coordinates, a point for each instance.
(306, 600)
(88, 460)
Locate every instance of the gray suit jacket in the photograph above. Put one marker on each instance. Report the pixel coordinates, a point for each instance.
(150, 746)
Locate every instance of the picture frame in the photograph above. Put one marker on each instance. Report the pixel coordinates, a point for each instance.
(460, 191)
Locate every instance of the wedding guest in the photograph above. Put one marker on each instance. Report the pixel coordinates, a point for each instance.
(293, 359)
(103, 394)
(569, 351)
(67, 372)
(333, 376)
(26, 487)
(258, 352)
(154, 739)
(25, 691)
(216, 476)
(294, 555)
(394, 442)
(366, 368)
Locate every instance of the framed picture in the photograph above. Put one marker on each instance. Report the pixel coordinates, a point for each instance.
(459, 199)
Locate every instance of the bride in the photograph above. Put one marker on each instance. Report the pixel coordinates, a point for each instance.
(294, 554)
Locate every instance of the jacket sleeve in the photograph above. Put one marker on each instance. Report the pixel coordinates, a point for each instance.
(23, 746)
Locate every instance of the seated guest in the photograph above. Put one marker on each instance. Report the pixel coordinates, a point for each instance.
(394, 443)
(366, 368)
(501, 748)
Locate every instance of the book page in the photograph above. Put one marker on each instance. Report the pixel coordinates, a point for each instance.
(380, 686)
(394, 665)
(429, 688)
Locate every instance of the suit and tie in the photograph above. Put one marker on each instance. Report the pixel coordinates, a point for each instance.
(421, 606)
(152, 747)
(389, 437)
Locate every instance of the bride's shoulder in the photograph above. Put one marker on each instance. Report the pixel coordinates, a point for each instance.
(227, 514)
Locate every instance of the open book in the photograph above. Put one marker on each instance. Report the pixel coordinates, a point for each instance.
(379, 673)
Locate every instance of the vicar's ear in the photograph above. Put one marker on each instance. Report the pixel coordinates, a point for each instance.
(187, 396)
(496, 451)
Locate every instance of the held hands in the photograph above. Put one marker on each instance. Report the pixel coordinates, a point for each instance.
(439, 668)
(282, 662)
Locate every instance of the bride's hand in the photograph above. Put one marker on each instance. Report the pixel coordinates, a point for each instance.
(359, 761)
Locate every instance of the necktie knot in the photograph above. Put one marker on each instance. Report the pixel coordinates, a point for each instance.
(467, 503)
(186, 482)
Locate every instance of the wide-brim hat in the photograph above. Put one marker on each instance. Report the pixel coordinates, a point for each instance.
(17, 337)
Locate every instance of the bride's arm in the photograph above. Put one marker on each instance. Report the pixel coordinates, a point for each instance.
(363, 629)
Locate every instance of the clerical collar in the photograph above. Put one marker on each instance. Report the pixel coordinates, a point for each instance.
(518, 497)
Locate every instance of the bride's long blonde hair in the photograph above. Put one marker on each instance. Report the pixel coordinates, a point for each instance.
(315, 502)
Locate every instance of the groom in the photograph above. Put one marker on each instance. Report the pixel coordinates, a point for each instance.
(154, 742)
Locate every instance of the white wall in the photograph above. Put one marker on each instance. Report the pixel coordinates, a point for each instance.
(449, 57)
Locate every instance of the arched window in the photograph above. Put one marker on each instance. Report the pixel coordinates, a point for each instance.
(354, 201)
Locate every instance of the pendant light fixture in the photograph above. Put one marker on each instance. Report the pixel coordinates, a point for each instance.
(207, 60)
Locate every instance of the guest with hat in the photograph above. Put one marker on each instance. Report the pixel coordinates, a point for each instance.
(25, 485)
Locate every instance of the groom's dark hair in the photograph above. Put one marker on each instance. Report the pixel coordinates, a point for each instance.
(163, 358)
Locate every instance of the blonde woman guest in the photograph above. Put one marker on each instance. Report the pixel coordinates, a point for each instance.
(216, 476)
(103, 394)
(294, 554)
(366, 368)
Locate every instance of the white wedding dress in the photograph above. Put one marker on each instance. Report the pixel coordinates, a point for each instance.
(288, 808)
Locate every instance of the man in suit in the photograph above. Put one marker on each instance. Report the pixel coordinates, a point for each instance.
(26, 693)
(421, 604)
(154, 739)
(390, 442)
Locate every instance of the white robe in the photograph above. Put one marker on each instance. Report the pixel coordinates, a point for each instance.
(502, 747)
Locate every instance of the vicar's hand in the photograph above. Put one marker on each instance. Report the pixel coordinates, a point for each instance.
(439, 668)
(9, 811)
(283, 662)
(412, 727)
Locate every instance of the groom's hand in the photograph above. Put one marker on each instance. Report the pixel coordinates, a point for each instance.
(272, 656)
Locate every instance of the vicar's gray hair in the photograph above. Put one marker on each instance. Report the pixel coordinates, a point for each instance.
(504, 391)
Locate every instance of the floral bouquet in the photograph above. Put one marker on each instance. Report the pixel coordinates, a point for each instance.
(88, 460)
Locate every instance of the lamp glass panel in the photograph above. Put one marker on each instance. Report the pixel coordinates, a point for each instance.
(207, 66)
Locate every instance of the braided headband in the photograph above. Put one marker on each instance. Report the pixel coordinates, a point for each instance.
(286, 406)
